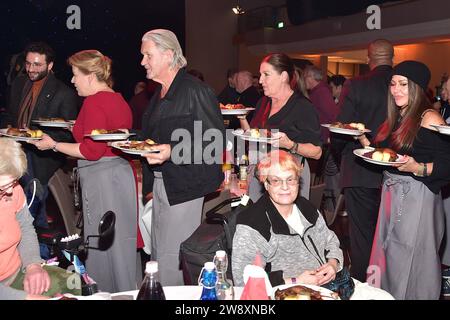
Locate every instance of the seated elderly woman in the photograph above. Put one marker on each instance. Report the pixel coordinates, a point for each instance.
(21, 273)
(286, 230)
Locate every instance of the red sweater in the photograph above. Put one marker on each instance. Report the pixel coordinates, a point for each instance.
(103, 110)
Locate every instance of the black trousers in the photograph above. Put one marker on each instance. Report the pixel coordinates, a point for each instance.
(362, 206)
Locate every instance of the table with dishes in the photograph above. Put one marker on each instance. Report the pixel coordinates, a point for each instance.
(363, 291)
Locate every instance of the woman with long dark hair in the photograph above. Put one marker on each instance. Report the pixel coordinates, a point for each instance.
(405, 252)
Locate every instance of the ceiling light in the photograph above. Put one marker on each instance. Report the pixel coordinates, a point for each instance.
(238, 10)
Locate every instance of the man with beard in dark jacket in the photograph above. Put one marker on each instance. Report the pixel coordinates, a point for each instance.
(364, 100)
(183, 116)
(39, 94)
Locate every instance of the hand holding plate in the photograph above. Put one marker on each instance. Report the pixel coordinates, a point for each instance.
(160, 157)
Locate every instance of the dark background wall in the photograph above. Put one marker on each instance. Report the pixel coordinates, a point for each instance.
(303, 11)
(113, 27)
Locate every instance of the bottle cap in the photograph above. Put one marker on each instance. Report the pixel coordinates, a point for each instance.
(220, 253)
(209, 266)
(151, 267)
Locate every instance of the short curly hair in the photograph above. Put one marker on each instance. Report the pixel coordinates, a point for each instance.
(284, 159)
(13, 161)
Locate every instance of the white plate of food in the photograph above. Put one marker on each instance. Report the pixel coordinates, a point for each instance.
(136, 147)
(380, 156)
(54, 122)
(302, 292)
(21, 134)
(109, 135)
(352, 129)
(255, 135)
(230, 112)
(443, 128)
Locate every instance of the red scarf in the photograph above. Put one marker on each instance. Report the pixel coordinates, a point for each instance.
(260, 118)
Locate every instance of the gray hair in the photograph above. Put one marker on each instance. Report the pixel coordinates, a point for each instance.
(13, 161)
(167, 40)
(315, 72)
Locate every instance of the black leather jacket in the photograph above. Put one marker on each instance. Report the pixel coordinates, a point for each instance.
(187, 100)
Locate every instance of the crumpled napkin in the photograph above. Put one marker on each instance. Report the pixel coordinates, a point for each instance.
(257, 284)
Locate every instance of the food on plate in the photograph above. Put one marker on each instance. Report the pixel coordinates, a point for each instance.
(382, 154)
(297, 292)
(35, 133)
(254, 133)
(259, 133)
(351, 126)
(147, 145)
(24, 133)
(95, 132)
(52, 119)
(231, 106)
(64, 297)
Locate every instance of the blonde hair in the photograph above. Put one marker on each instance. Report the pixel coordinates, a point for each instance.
(93, 61)
(167, 40)
(13, 161)
(285, 160)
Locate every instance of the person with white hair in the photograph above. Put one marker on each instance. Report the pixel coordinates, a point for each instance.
(179, 180)
(21, 274)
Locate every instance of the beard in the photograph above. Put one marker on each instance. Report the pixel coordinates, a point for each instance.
(36, 76)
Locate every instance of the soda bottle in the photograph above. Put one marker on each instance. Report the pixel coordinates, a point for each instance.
(151, 288)
(208, 281)
(224, 287)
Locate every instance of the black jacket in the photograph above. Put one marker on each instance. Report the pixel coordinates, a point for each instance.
(365, 101)
(56, 100)
(187, 100)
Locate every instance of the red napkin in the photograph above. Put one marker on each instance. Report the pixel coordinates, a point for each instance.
(255, 287)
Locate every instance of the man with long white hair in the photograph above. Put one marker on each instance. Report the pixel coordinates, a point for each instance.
(183, 171)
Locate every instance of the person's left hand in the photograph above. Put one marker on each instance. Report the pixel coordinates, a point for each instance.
(410, 166)
(45, 143)
(162, 156)
(36, 279)
(283, 142)
(326, 272)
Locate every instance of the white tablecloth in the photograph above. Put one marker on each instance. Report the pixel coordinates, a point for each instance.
(362, 292)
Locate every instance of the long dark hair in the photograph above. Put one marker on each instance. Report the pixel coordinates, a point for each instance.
(409, 124)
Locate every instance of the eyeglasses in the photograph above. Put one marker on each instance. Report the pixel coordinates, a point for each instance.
(34, 64)
(276, 182)
(4, 189)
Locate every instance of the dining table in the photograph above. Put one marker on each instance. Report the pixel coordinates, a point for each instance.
(363, 291)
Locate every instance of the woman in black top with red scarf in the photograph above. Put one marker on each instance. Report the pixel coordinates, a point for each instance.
(405, 253)
(285, 109)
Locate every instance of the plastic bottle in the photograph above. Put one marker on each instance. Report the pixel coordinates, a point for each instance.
(208, 281)
(224, 287)
(151, 288)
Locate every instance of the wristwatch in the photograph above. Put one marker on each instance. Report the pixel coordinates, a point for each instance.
(54, 147)
(293, 150)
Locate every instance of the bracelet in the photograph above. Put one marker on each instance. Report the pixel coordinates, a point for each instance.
(54, 147)
(293, 150)
(421, 171)
(424, 172)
